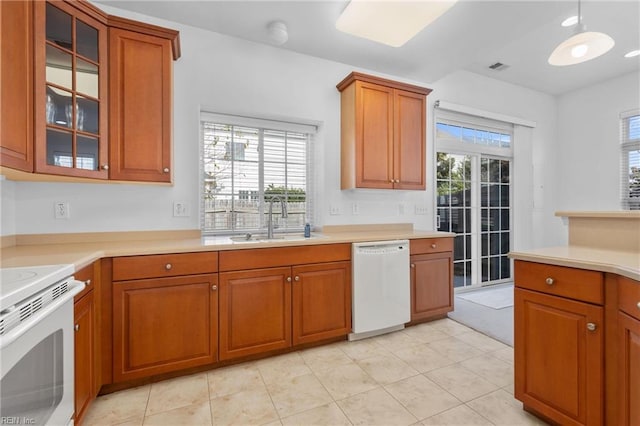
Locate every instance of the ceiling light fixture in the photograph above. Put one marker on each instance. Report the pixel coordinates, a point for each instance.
(390, 22)
(582, 46)
(278, 33)
(570, 21)
(632, 54)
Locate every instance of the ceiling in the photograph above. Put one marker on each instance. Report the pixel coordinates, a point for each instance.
(472, 35)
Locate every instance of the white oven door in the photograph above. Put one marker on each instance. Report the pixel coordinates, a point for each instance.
(37, 366)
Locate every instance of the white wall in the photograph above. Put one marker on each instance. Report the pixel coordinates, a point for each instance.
(7, 207)
(588, 155)
(225, 74)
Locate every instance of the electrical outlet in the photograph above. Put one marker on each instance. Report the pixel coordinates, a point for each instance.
(334, 210)
(355, 209)
(180, 209)
(61, 210)
(421, 209)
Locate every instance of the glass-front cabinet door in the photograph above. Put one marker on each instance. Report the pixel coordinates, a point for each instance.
(70, 92)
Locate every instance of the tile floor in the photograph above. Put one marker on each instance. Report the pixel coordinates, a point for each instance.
(438, 373)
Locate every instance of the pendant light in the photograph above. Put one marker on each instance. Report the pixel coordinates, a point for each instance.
(582, 46)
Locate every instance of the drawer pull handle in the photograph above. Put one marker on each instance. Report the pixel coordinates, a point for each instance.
(168, 266)
(77, 327)
(433, 246)
(214, 287)
(591, 326)
(549, 281)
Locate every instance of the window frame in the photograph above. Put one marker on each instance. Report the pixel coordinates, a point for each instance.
(627, 145)
(262, 125)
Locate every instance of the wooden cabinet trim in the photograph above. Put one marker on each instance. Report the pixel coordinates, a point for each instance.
(629, 296)
(628, 375)
(237, 260)
(356, 76)
(164, 265)
(85, 354)
(144, 28)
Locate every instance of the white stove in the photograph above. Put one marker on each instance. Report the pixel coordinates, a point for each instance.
(18, 283)
(37, 344)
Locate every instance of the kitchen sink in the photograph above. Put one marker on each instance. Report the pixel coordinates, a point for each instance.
(255, 238)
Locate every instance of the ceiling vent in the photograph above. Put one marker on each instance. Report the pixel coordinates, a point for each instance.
(498, 66)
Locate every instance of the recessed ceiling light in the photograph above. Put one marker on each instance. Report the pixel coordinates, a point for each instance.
(632, 54)
(570, 21)
(390, 22)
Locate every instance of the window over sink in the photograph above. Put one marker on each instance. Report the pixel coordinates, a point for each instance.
(630, 162)
(246, 162)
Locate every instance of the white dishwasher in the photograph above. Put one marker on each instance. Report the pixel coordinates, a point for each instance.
(381, 293)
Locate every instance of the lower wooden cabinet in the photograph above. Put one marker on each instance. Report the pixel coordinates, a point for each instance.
(84, 351)
(255, 311)
(431, 278)
(559, 357)
(321, 301)
(164, 324)
(274, 308)
(629, 369)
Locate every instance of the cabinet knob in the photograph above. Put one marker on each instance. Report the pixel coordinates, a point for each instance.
(433, 246)
(638, 305)
(87, 283)
(591, 326)
(297, 278)
(166, 170)
(105, 167)
(413, 265)
(549, 281)
(168, 266)
(214, 287)
(77, 327)
(397, 180)
(391, 180)
(288, 279)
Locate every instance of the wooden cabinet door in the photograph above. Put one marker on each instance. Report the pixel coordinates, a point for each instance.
(374, 136)
(140, 77)
(409, 154)
(321, 301)
(558, 360)
(629, 370)
(16, 84)
(84, 354)
(255, 311)
(431, 285)
(164, 324)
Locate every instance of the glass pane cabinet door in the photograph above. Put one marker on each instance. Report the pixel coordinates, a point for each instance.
(71, 91)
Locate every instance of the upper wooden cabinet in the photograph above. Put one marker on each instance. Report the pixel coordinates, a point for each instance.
(16, 83)
(84, 94)
(70, 91)
(383, 133)
(140, 78)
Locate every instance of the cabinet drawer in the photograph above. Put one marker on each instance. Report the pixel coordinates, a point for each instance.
(573, 283)
(431, 245)
(629, 296)
(164, 265)
(237, 260)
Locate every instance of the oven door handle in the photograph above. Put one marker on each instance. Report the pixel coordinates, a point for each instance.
(75, 288)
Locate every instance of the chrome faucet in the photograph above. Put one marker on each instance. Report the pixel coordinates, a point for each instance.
(283, 207)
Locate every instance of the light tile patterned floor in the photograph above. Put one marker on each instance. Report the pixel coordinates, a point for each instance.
(438, 373)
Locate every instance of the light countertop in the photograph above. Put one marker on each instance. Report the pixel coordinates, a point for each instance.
(625, 263)
(82, 254)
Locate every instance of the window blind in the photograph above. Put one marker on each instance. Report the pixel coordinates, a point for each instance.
(630, 160)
